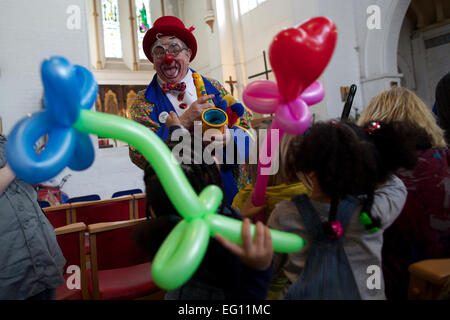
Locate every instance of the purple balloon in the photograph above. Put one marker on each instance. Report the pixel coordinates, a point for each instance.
(262, 96)
(313, 94)
(294, 116)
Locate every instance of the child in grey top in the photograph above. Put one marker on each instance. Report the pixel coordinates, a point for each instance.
(363, 249)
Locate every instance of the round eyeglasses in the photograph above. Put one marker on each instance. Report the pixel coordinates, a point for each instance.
(174, 49)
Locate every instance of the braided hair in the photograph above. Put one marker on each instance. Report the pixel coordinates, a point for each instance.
(342, 162)
(396, 144)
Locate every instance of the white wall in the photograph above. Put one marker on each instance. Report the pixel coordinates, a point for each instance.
(236, 44)
(257, 29)
(405, 56)
(260, 25)
(422, 68)
(430, 64)
(378, 47)
(111, 171)
(193, 14)
(29, 32)
(343, 69)
(235, 47)
(223, 62)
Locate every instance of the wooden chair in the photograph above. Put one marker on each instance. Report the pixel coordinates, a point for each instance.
(58, 215)
(71, 241)
(91, 212)
(117, 209)
(139, 205)
(44, 204)
(119, 270)
(90, 197)
(427, 278)
(126, 193)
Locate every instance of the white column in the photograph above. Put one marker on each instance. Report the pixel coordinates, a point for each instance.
(238, 49)
(378, 47)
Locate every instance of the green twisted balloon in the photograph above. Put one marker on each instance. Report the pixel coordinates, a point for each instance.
(183, 250)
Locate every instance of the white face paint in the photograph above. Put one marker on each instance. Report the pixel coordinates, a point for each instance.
(175, 71)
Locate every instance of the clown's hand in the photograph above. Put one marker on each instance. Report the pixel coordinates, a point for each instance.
(173, 120)
(194, 112)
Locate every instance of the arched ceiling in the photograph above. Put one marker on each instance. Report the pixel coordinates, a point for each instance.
(428, 13)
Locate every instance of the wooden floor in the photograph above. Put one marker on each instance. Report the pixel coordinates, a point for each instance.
(155, 296)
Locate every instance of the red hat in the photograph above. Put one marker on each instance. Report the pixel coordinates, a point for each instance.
(169, 26)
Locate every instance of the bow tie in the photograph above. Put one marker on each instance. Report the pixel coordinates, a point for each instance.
(166, 87)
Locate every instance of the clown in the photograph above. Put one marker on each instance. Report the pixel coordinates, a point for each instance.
(179, 95)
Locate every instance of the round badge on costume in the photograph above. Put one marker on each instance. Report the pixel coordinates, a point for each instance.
(163, 116)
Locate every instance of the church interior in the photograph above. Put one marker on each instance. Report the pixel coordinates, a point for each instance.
(381, 45)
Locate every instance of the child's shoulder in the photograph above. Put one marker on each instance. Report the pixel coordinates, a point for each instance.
(284, 205)
(283, 211)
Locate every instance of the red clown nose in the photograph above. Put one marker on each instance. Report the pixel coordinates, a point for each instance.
(168, 59)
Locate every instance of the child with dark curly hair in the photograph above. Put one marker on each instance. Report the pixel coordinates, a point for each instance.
(355, 197)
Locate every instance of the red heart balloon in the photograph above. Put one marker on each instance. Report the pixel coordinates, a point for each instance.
(299, 55)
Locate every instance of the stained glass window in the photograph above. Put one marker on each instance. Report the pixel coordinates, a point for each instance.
(111, 29)
(144, 22)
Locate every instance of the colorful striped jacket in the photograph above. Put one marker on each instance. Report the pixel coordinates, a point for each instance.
(150, 103)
